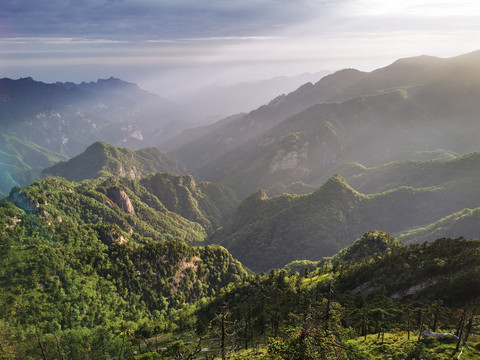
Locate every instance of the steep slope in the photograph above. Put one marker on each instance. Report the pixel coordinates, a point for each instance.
(305, 146)
(232, 134)
(337, 87)
(420, 104)
(21, 162)
(101, 159)
(206, 203)
(369, 307)
(67, 117)
(266, 233)
(88, 261)
(121, 203)
(463, 223)
(373, 243)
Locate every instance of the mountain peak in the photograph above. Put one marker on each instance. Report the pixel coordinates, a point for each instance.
(417, 60)
(98, 146)
(111, 85)
(336, 183)
(371, 243)
(101, 159)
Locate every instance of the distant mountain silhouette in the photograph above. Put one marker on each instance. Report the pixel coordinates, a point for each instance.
(422, 104)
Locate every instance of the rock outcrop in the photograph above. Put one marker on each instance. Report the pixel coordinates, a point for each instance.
(20, 199)
(121, 199)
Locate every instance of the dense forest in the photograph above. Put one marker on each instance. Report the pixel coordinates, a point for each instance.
(90, 263)
(267, 233)
(70, 292)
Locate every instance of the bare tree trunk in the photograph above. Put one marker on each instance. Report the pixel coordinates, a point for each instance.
(435, 319)
(329, 304)
(365, 325)
(420, 327)
(222, 336)
(469, 329)
(460, 329)
(247, 326)
(42, 347)
(408, 324)
(58, 348)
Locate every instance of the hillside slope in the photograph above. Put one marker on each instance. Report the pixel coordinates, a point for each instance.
(21, 162)
(337, 87)
(101, 159)
(267, 233)
(90, 263)
(363, 129)
(418, 104)
(67, 117)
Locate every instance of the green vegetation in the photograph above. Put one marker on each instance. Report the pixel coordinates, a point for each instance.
(102, 159)
(372, 243)
(411, 110)
(206, 203)
(464, 223)
(122, 258)
(21, 162)
(87, 269)
(371, 307)
(93, 270)
(269, 233)
(461, 171)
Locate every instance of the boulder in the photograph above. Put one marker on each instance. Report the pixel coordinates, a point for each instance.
(439, 336)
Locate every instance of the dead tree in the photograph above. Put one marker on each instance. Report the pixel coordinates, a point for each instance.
(226, 331)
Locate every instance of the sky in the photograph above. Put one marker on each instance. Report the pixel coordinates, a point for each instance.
(169, 46)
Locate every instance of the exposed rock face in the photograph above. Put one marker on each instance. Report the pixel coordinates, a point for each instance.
(186, 180)
(419, 287)
(20, 199)
(115, 238)
(439, 336)
(293, 159)
(121, 199)
(131, 174)
(184, 264)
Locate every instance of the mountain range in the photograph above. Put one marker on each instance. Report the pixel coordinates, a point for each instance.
(415, 200)
(216, 102)
(67, 117)
(268, 233)
(53, 122)
(356, 194)
(422, 104)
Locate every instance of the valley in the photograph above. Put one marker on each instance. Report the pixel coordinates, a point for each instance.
(339, 220)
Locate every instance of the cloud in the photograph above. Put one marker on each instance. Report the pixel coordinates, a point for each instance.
(200, 41)
(140, 19)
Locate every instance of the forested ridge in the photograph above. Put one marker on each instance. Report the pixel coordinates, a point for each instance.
(103, 159)
(367, 305)
(87, 262)
(267, 233)
(83, 278)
